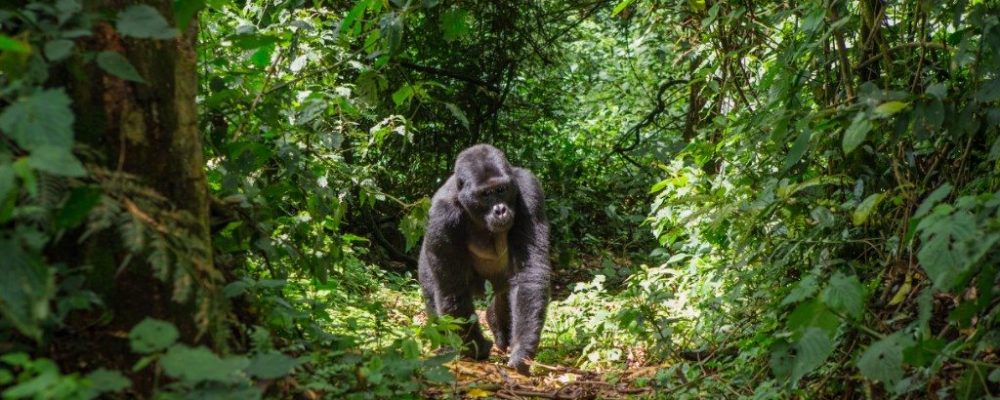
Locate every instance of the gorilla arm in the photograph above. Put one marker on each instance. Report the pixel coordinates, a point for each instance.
(447, 267)
(530, 282)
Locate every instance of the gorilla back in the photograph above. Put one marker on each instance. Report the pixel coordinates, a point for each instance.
(487, 223)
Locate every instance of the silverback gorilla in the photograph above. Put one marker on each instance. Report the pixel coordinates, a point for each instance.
(487, 223)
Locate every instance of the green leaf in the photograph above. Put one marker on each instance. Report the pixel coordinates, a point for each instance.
(844, 294)
(944, 251)
(803, 290)
(855, 134)
(262, 57)
(352, 16)
(152, 335)
(939, 90)
(932, 199)
(798, 149)
(990, 91)
(812, 314)
(883, 360)
(81, 201)
(458, 113)
(144, 22)
(891, 107)
(42, 119)
(117, 65)
(7, 182)
(811, 350)
(621, 6)
(26, 287)
(56, 161)
(58, 49)
(454, 24)
(194, 365)
(869, 204)
(272, 365)
(103, 381)
(403, 94)
(12, 45)
(185, 10)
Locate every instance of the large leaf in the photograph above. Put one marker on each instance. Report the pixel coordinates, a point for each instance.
(798, 149)
(454, 24)
(58, 49)
(945, 249)
(144, 22)
(42, 119)
(184, 11)
(844, 294)
(891, 107)
(621, 6)
(198, 364)
(932, 199)
(103, 380)
(869, 204)
(56, 161)
(856, 132)
(26, 287)
(812, 314)
(10, 44)
(81, 201)
(7, 183)
(883, 360)
(117, 65)
(811, 350)
(272, 365)
(152, 335)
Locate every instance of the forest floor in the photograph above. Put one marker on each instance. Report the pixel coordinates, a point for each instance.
(555, 379)
(493, 379)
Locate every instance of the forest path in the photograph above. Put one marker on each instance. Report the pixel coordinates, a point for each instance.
(494, 380)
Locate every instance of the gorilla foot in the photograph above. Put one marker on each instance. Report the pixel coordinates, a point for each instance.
(478, 350)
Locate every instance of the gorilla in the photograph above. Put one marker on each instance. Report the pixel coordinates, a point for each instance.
(487, 223)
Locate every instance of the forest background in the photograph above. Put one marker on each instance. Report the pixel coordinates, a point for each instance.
(752, 199)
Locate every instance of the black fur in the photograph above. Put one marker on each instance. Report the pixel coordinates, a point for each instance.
(487, 223)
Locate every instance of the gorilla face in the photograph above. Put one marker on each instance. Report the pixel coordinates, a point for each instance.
(486, 189)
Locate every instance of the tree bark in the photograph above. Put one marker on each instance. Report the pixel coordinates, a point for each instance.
(149, 131)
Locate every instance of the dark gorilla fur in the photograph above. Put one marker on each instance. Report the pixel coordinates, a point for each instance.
(487, 223)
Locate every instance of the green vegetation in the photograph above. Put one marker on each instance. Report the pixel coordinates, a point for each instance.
(224, 199)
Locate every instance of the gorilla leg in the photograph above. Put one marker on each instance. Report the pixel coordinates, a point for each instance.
(459, 305)
(498, 314)
(528, 304)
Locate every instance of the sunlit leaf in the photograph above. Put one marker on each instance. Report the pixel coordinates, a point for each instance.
(621, 6)
(869, 204)
(454, 24)
(891, 107)
(8, 43)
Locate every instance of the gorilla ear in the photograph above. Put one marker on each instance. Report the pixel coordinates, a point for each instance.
(460, 182)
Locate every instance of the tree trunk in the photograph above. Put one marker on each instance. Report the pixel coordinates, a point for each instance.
(146, 131)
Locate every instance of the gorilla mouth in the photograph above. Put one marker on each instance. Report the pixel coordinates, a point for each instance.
(500, 224)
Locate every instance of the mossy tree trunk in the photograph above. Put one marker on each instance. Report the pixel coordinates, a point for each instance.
(149, 132)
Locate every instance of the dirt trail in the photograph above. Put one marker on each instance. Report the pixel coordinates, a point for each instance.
(493, 380)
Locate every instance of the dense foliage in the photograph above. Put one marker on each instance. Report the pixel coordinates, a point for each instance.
(205, 198)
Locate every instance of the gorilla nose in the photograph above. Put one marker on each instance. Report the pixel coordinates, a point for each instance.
(500, 210)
